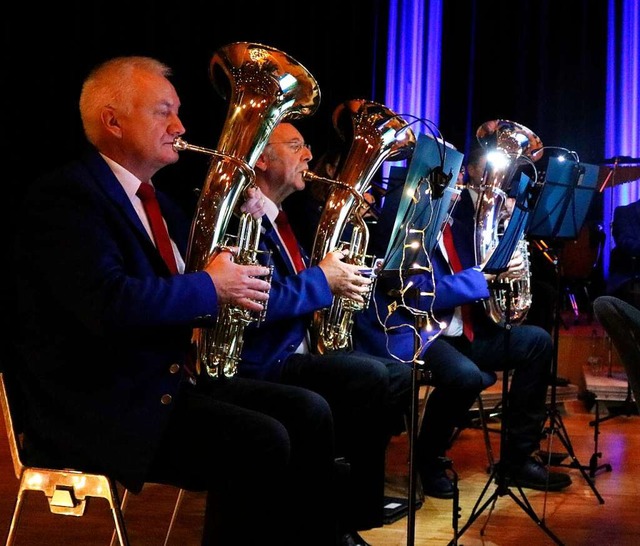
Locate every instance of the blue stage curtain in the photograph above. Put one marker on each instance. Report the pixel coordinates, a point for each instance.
(623, 96)
(413, 62)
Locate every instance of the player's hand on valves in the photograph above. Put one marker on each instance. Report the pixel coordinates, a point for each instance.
(237, 284)
(254, 203)
(515, 268)
(489, 277)
(344, 279)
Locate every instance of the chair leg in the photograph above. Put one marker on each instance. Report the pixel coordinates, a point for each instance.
(485, 434)
(117, 510)
(16, 518)
(423, 409)
(174, 515)
(117, 536)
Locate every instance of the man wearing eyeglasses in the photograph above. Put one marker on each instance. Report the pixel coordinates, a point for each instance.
(365, 393)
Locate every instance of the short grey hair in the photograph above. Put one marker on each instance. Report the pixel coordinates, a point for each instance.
(113, 83)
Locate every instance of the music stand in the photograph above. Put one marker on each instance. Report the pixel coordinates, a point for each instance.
(498, 263)
(559, 215)
(417, 204)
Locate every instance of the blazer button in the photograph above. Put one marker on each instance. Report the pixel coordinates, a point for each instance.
(174, 368)
(166, 399)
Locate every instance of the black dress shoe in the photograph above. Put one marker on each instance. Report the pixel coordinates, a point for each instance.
(353, 539)
(533, 475)
(436, 483)
(553, 458)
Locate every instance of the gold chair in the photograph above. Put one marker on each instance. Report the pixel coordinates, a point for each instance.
(68, 491)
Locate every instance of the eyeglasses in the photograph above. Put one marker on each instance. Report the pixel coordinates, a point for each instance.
(294, 145)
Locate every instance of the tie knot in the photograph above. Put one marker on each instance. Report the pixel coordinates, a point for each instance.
(146, 191)
(281, 219)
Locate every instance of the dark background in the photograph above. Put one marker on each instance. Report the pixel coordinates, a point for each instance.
(521, 61)
(46, 63)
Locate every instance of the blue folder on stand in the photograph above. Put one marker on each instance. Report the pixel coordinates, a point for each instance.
(418, 214)
(499, 260)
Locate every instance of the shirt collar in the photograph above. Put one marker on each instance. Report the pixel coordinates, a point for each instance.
(129, 182)
(271, 210)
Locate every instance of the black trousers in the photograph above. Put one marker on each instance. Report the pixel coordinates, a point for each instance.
(621, 321)
(264, 452)
(461, 370)
(367, 396)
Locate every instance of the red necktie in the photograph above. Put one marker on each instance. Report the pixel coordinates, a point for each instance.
(289, 239)
(454, 260)
(147, 195)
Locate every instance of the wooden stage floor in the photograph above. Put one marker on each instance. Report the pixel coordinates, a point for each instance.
(575, 515)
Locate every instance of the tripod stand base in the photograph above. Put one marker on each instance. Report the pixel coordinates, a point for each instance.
(594, 467)
(556, 427)
(502, 490)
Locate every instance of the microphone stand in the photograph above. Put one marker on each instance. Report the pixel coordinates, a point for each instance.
(499, 470)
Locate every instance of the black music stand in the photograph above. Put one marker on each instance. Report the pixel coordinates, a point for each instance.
(498, 263)
(560, 213)
(418, 218)
(418, 369)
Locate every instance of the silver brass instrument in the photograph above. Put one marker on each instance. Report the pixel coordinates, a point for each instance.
(376, 134)
(514, 146)
(264, 86)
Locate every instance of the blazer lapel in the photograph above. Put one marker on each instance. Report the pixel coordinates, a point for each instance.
(273, 243)
(108, 183)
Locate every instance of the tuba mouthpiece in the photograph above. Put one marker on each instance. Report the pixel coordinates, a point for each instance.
(179, 145)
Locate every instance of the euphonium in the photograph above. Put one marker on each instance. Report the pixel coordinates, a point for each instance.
(509, 146)
(264, 86)
(376, 134)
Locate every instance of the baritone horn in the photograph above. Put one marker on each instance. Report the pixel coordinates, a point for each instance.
(374, 133)
(264, 86)
(508, 147)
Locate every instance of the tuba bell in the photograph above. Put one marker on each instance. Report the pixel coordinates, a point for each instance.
(263, 86)
(375, 134)
(508, 147)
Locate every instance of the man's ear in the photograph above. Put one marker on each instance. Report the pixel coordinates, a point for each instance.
(261, 163)
(110, 121)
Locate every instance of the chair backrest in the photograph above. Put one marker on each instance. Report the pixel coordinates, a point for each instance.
(67, 491)
(11, 423)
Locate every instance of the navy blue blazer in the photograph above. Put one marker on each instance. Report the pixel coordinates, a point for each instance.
(625, 257)
(451, 290)
(102, 328)
(292, 300)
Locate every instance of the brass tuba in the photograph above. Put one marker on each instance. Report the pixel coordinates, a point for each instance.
(264, 86)
(508, 146)
(376, 134)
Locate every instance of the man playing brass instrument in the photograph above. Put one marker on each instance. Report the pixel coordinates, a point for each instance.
(364, 392)
(103, 335)
(464, 358)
